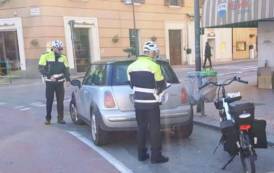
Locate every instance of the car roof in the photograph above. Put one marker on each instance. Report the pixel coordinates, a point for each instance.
(115, 60)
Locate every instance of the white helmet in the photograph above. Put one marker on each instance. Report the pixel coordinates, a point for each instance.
(150, 46)
(57, 44)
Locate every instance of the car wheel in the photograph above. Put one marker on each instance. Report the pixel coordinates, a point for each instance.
(74, 115)
(98, 136)
(186, 131)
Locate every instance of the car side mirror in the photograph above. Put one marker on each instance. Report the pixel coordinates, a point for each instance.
(76, 82)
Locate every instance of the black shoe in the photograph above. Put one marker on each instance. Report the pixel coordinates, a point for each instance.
(160, 159)
(142, 154)
(47, 122)
(61, 122)
(143, 157)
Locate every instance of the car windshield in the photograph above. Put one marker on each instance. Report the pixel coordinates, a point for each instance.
(119, 73)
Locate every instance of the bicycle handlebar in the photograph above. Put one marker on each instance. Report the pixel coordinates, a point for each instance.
(235, 78)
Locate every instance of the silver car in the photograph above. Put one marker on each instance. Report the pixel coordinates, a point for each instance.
(103, 100)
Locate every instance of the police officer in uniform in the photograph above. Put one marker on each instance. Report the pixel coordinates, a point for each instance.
(148, 83)
(54, 68)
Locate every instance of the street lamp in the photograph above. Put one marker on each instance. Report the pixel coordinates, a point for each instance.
(134, 29)
(200, 105)
(197, 35)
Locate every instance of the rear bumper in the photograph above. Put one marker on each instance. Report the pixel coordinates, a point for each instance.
(126, 121)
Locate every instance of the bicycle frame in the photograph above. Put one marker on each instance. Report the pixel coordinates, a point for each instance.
(245, 148)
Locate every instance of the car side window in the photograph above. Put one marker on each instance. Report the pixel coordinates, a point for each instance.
(168, 73)
(96, 75)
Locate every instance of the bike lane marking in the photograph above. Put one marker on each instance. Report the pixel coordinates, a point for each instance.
(112, 160)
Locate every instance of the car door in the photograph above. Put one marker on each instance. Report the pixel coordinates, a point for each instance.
(84, 91)
(91, 84)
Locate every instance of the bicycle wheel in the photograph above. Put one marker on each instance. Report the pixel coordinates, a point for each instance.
(247, 154)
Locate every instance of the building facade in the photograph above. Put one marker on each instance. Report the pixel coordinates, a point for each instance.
(92, 30)
(258, 14)
(229, 44)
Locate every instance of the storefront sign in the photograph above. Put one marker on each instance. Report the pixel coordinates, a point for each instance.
(222, 8)
(239, 6)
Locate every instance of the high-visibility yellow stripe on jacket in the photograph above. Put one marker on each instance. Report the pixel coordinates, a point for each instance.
(50, 66)
(145, 76)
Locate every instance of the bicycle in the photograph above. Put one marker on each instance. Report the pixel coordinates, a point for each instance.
(236, 122)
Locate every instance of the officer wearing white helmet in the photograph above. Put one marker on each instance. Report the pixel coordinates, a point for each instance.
(147, 82)
(54, 68)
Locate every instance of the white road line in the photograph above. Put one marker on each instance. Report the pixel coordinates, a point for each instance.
(25, 109)
(19, 107)
(116, 163)
(2, 103)
(66, 100)
(38, 104)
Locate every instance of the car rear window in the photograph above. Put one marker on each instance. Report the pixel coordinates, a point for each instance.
(119, 73)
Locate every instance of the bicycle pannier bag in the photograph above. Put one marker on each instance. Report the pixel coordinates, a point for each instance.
(259, 134)
(230, 137)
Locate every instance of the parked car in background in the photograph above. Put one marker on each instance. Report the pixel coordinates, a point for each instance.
(103, 100)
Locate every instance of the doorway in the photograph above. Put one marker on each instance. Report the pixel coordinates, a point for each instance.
(175, 47)
(9, 52)
(81, 48)
(82, 42)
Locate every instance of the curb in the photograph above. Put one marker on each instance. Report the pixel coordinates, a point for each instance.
(214, 127)
(219, 63)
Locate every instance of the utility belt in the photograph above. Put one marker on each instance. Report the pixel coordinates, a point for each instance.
(158, 98)
(55, 78)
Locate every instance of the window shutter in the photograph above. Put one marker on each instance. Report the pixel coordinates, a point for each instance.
(181, 3)
(166, 2)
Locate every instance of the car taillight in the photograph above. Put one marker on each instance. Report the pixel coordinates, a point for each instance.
(184, 96)
(109, 100)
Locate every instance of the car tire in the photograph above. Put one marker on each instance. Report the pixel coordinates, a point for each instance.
(74, 115)
(186, 130)
(98, 135)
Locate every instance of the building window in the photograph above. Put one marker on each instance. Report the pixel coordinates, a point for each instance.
(134, 41)
(174, 3)
(241, 46)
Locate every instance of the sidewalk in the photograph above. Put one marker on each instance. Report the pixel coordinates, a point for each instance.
(220, 63)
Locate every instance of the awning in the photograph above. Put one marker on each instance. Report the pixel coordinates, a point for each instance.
(242, 13)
